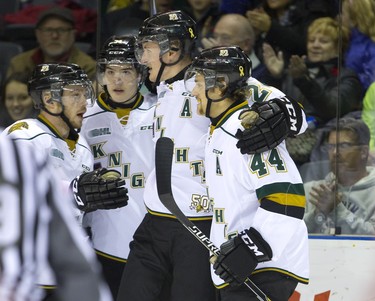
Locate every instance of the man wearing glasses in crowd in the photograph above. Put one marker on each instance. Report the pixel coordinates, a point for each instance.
(343, 202)
(55, 33)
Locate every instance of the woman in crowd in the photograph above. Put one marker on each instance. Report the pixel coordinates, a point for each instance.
(17, 103)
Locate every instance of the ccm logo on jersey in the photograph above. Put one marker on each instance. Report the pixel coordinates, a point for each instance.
(251, 245)
(292, 113)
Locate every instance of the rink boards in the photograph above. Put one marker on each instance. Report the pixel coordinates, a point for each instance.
(341, 268)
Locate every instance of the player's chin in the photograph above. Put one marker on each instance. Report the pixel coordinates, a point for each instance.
(77, 121)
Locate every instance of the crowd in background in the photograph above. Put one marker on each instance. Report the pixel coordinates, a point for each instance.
(321, 53)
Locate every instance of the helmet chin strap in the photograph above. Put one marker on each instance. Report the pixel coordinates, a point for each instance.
(73, 133)
(158, 77)
(163, 65)
(210, 101)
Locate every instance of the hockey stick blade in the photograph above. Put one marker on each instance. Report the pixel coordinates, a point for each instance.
(163, 168)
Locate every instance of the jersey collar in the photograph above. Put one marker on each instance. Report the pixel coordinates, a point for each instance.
(122, 113)
(229, 113)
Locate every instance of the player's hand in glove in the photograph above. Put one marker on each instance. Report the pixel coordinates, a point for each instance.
(240, 255)
(99, 189)
(267, 124)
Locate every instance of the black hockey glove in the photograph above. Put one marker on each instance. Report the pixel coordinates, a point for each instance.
(267, 124)
(99, 189)
(240, 255)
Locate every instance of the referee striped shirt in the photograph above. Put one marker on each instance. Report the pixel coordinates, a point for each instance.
(35, 228)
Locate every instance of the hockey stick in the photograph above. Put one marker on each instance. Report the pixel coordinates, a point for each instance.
(163, 166)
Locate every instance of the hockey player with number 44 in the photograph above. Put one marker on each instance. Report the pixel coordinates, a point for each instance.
(163, 254)
(258, 199)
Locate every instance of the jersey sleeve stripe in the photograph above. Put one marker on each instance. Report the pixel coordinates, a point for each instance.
(288, 210)
(281, 187)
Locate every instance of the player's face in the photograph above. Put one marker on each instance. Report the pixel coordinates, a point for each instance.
(74, 100)
(199, 92)
(347, 155)
(55, 37)
(151, 58)
(321, 48)
(17, 100)
(121, 81)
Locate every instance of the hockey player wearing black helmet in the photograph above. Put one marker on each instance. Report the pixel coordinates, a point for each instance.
(174, 35)
(62, 92)
(268, 184)
(164, 45)
(118, 129)
(162, 252)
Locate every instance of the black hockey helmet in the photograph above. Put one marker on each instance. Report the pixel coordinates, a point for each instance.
(230, 64)
(166, 27)
(54, 77)
(119, 50)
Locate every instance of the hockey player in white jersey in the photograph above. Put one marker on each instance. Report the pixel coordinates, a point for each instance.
(118, 129)
(168, 253)
(37, 226)
(258, 200)
(62, 92)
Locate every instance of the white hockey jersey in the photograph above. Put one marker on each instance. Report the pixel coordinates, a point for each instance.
(67, 157)
(261, 92)
(176, 118)
(120, 139)
(263, 191)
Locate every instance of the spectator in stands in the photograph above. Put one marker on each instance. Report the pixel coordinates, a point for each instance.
(16, 101)
(55, 34)
(359, 16)
(283, 23)
(235, 29)
(342, 202)
(205, 13)
(127, 20)
(313, 81)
